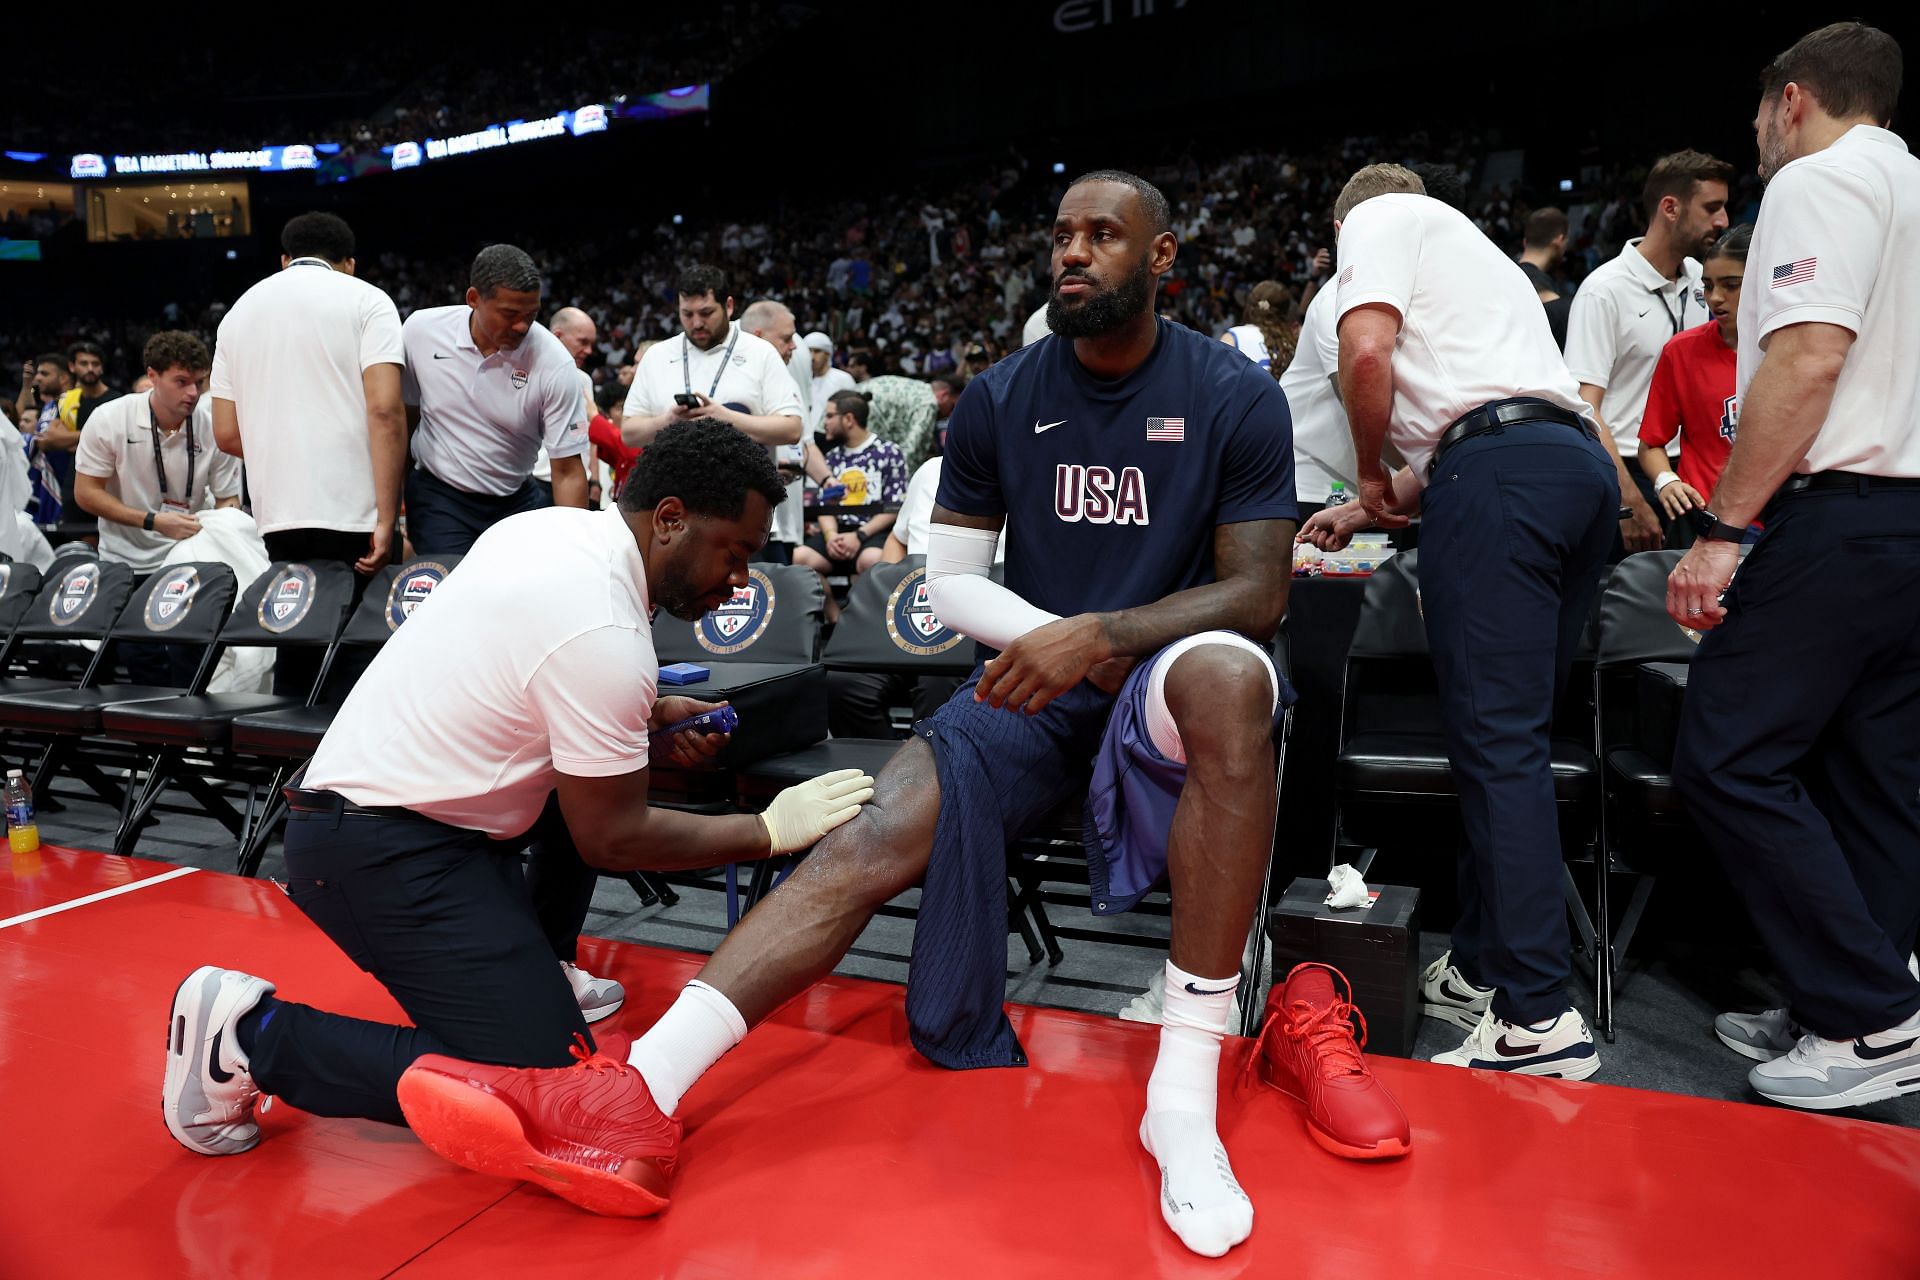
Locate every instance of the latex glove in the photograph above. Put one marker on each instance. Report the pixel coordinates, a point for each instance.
(803, 813)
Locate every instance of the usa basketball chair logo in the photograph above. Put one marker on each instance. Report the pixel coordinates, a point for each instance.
(911, 623)
(76, 594)
(288, 600)
(411, 589)
(742, 620)
(171, 598)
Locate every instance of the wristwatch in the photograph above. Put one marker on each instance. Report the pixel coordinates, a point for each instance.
(1708, 525)
(147, 524)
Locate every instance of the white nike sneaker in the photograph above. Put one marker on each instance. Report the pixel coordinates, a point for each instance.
(597, 997)
(1827, 1075)
(1445, 995)
(208, 1097)
(1564, 1048)
(1760, 1036)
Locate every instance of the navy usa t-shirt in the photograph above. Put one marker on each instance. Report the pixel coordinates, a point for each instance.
(1112, 489)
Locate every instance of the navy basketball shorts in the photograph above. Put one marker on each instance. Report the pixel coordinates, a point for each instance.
(1004, 773)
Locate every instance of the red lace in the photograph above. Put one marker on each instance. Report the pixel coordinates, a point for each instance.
(1327, 1030)
(591, 1059)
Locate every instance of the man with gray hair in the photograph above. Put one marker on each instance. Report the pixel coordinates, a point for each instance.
(486, 386)
(1446, 354)
(578, 334)
(774, 322)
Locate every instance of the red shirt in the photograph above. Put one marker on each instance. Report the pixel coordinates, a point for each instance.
(1693, 397)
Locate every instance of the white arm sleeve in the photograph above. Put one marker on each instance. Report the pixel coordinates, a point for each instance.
(965, 598)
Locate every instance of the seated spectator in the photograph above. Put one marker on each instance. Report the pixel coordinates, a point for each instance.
(874, 473)
(147, 464)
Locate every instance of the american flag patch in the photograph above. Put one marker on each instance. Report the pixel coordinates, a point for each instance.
(1794, 273)
(1171, 430)
(1346, 277)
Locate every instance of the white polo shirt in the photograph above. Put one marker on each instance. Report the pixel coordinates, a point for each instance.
(542, 463)
(290, 356)
(1322, 442)
(117, 447)
(915, 523)
(741, 371)
(469, 720)
(484, 418)
(1623, 317)
(1838, 242)
(1471, 326)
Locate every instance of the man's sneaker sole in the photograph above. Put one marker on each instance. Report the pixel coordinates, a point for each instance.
(1746, 1050)
(602, 1012)
(1388, 1149)
(1895, 1084)
(478, 1129)
(186, 1043)
(1465, 1019)
(1560, 1069)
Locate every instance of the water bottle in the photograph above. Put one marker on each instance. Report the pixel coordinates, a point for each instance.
(1339, 496)
(23, 833)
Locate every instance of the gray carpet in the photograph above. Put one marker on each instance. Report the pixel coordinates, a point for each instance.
(1665, 1002)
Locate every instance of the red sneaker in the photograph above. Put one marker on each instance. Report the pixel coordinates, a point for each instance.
(1307, 1050)
(589, 1133)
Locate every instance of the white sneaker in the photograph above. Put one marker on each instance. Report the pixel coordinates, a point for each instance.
(1445, 995)
(208, 1097)
(1826, 1075)
(597, 997)
(1564, 1048)
(1760, 1036)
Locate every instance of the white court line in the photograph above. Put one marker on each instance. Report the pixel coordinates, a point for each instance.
(58, 907)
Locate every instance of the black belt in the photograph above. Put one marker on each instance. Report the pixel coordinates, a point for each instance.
(1821, 480)
(332, 803)
(1496, 414)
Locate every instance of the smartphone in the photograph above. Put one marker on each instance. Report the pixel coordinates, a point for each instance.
(686, 400)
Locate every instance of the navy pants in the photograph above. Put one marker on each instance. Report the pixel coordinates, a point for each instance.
(447, 922)
(443, 520)
(1799, 751)
(1516, 526)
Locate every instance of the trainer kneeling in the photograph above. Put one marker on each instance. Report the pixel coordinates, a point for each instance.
(528, 677)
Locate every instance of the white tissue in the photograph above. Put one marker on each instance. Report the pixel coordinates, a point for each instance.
(1349, 890)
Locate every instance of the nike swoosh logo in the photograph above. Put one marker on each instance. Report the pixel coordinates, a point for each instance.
(1037, 428)
(1861, 1049)
(214, 1069)
(1447, 992)
(1507, 1049)
(438, 356)
(1197, 991)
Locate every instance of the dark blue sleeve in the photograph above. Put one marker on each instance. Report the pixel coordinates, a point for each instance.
(1256, 477)
(970, 477)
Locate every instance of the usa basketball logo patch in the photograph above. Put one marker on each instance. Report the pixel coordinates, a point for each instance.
(76, 594)
(288, 599)
(410, 590)
(171, 598)
(739, 622)
(911, 623)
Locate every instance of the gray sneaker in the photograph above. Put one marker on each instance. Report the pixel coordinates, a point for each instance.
(1828, 1075)
(1445, 995)
(597, 997)
(1760, 1036)
(208, 1096)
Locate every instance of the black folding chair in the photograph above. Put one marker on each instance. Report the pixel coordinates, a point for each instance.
(776, 617)
(288, 606)
(1639, 676)
(289, 735)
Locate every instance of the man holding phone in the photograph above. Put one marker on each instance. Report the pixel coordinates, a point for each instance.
(462, 735)
(716, 370)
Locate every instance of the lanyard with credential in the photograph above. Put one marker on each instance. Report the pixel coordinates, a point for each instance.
(686, 362)
(193, 456)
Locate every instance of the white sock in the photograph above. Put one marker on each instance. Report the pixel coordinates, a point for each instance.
(690, 1037)
(1199, 1197)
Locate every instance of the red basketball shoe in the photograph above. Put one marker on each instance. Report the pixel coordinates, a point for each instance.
(589, 1133)
(1307, 1050)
